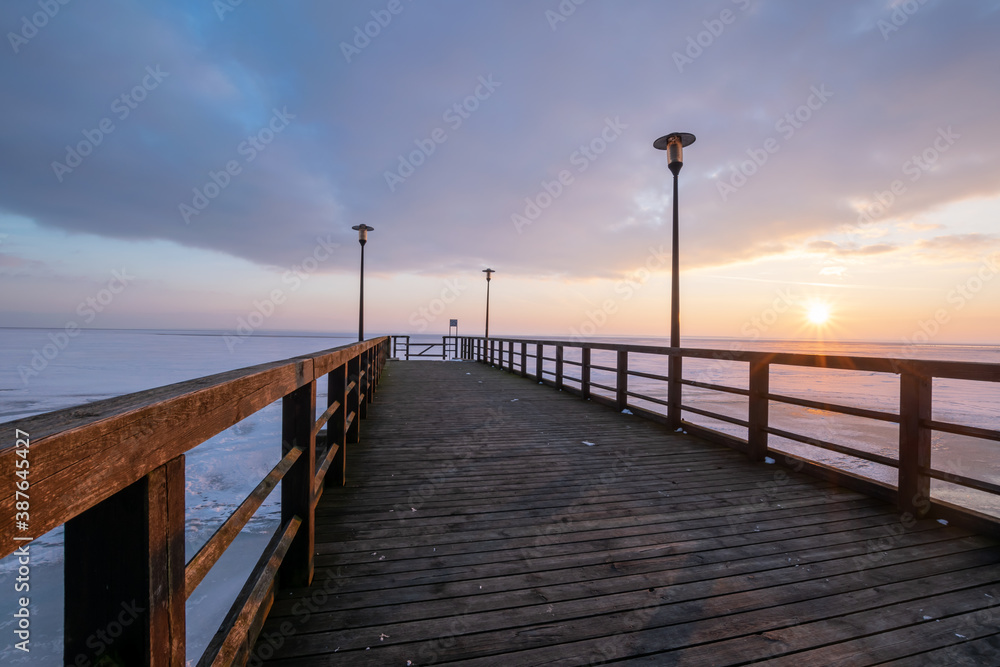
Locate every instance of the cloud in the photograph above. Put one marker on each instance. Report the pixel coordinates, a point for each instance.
(832, 248)
(957, 246)
(12, 263)
(355, 120)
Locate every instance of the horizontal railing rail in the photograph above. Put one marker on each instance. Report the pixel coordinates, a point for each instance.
(911, 493)
(112, 472)
(404, 348)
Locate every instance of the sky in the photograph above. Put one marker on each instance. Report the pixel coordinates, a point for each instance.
(199, 164)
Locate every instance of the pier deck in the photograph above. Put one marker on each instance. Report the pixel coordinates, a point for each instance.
(479, 526)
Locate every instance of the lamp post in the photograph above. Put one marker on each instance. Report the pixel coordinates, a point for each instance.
(674, 144)
(362, 239)
(489, 273)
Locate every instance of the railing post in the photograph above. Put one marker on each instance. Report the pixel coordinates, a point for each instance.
(363, 379)
(674, 374)
(914, 485)
(372, 375)
(492, 357)
(444, 347)
(622, 383)
(298, 411)
(524, 360)
(336, 427)
(539, 363)
(757, 410)
(124, 575)
(559, 367)
(585, 372)
(353, 396)
(510, 356)
(407, 348)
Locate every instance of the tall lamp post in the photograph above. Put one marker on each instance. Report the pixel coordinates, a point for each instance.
(362, 239)
(489, 273)
(674, 144)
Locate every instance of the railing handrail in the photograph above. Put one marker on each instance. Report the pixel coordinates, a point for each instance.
(113, 473)
(954, 370)
(60, 439)
(913, 461)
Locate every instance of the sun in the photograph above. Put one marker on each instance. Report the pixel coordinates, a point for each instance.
(818, 313)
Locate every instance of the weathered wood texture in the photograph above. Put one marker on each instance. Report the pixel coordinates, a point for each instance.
(912, 462)
(478, 526)
(83, 455)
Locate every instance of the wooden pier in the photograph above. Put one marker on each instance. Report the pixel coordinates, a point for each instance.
(478, 525)
(466, 514)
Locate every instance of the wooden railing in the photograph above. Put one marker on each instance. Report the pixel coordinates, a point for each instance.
(113, 472)
(913, 462)
(404, 348)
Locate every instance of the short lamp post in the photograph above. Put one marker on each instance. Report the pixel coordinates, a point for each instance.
(674, 143)
(362, 239)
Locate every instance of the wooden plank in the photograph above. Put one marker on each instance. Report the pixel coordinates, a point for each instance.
(721, 417)
(915, 409)
(834, 447)
(297, 410)
(959, 370)
(210, 552)
(124, 574)
(716, 387)
(621, 382)
(234, 632)
(757, 411)
(503, 539)
(833, 407)
(167, 593)
(961, 429)
(331, 453)
(675, 390)
(336, 432)
(101, 448)
(325, 417)
(650, 376)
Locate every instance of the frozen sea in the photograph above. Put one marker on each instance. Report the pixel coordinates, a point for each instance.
(99, 364)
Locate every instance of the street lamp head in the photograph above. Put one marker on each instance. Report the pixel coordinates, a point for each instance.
(489, 273)
(674, 144)
(362, 232)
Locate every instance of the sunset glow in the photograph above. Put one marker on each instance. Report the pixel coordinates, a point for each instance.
(818, 313)
(219, 167)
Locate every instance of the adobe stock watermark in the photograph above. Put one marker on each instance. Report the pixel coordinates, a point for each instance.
(900, 15)
(625, 288)
(37, 21)
(248, 149)
(264, 309)
(88, 309)
(454, 116)
(122, 106)
(381, 18)
(563, 11)
(786, 126)
(581, 159)
(320, 591)
(914, 168)
(424, 316)
(698, 43)
(223, 7)
(754, 327)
